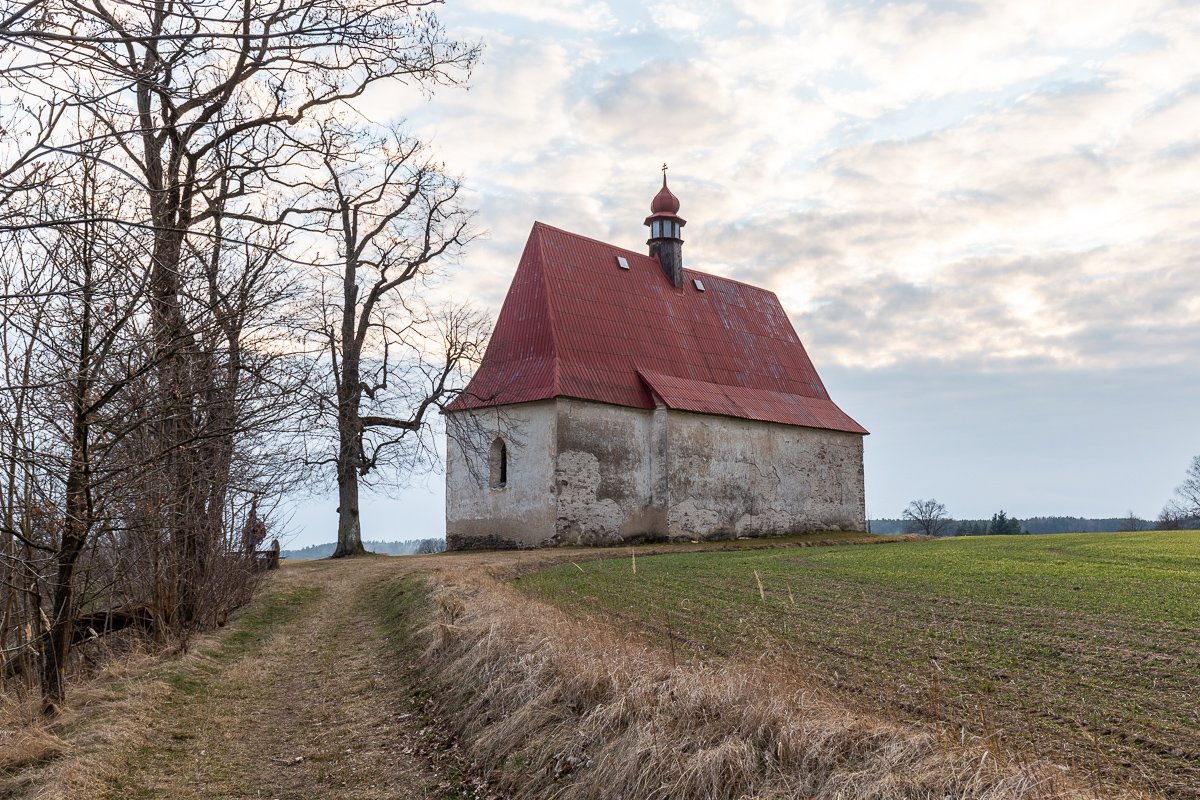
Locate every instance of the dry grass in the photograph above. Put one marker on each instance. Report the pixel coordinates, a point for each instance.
(28, 745)
(548, 705)
(76, 754)
(545, 704)
(24, 738)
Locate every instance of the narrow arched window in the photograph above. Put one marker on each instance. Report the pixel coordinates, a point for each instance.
(498, 464)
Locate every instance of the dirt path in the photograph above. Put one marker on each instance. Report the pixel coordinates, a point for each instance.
(297, 699)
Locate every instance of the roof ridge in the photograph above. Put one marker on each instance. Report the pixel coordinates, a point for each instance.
(538, 224)
(727, 279)
(713, 275)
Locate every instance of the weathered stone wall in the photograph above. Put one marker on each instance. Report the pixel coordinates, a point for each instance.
(522, 512)
(588, 473)
(735, 477)
(625, 474)
(606, 475)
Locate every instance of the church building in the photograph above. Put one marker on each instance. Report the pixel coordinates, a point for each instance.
(624, 397)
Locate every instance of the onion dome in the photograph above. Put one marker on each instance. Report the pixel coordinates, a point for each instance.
(664, 202)
(664, 220)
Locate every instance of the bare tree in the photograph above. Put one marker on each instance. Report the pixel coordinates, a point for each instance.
(144, 366)
(195, 100)
(1183, 510)
(392, 216)
(1132, 522)
(1187, 494)
(927, 517)
(78, 306)
(83, 522)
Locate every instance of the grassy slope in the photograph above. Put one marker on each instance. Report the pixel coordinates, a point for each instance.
(1083, 647)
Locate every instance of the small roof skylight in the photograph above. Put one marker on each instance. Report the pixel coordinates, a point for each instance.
(622, 262)
(699, 285)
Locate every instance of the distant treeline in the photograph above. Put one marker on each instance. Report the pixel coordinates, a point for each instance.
(983, 527)
(406, 548)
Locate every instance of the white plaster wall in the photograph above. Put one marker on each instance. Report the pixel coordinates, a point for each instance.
(520, 514)
(735, 477)
(606, 473)
(589, 473)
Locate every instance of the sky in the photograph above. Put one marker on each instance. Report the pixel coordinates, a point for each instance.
(982, 218)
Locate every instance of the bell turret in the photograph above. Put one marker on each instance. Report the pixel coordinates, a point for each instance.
(666, 227)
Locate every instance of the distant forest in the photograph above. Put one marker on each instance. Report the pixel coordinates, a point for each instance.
(982, 527)
(405, 548)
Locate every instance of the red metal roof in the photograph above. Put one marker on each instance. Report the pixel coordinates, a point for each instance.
(574, 324)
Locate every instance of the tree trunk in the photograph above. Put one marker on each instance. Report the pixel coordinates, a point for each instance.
(185, 515)
(349, 541)
(349, 391)
(56, 646)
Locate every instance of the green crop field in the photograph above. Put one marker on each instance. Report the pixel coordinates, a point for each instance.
(1083, 648)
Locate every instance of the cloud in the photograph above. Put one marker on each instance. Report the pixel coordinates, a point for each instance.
(575, 14)
(1060, 309)
(679, 17)
(982, 216)
(654, 106)
(980, 182)
(770, 13)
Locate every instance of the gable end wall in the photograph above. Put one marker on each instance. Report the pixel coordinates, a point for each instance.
(521, 514)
